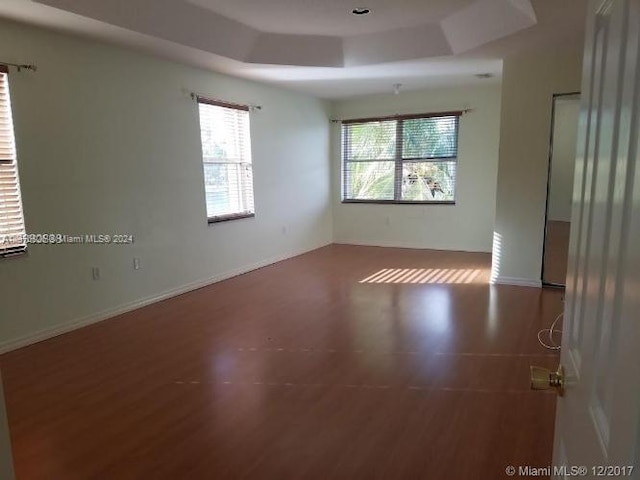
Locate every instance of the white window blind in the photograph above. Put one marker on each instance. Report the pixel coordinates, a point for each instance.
(226, 156)
(403, 159)
(12, 231)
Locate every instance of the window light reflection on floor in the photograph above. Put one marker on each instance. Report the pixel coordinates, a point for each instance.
(496, 258)
(424, 276)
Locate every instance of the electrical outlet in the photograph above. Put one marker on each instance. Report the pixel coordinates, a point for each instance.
(136, 263)
(95, 273)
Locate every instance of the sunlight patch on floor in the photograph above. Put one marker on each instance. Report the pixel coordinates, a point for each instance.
(424, 276)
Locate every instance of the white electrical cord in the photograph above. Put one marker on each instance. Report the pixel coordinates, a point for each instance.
(552, 329)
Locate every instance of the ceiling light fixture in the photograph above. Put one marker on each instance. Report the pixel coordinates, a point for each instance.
(360, 11)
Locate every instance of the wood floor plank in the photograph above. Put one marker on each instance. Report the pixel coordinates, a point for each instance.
(344, 363)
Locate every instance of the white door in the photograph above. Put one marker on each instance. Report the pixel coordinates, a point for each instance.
(598, 421)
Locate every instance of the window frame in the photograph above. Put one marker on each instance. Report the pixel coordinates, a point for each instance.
(398, 159)
(21, 247)
(235, 106)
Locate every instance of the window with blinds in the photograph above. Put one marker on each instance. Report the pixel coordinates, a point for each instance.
(12, 231)
(403, 159)
(226, 156)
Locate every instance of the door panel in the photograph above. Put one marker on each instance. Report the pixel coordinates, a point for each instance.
(597, 420)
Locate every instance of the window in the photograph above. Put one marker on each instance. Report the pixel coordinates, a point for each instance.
(404, 159)
(226, 156)
(12, 232)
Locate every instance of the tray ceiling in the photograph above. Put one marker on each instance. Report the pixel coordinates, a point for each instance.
(444, 49)
(332, 17)
(313, 33)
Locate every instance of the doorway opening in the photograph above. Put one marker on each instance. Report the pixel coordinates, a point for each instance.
(562, 157)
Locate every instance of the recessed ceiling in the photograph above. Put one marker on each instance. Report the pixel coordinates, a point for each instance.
(332, 17)
(362, 64)
(295, 38)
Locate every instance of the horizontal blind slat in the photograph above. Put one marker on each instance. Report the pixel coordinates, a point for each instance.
(11, 213)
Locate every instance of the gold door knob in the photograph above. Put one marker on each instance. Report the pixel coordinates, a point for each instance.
(544, 379)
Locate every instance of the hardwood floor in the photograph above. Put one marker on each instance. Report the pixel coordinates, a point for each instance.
(344, 363)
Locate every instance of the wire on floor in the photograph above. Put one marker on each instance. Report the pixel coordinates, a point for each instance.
(551, 331)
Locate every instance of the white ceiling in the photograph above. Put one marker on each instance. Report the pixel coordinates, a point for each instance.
(332, 17)
(372, 62)
(464, 26)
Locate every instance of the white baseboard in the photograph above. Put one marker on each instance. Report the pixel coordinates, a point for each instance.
(519, 282)
(66, 327)
(413, 245)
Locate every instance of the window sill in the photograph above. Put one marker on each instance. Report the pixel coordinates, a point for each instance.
(401, 202)
(227, 218)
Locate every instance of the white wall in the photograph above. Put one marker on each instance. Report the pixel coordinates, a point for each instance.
(563, 160)
(467, 225)
(108, 142)
(529, 81)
